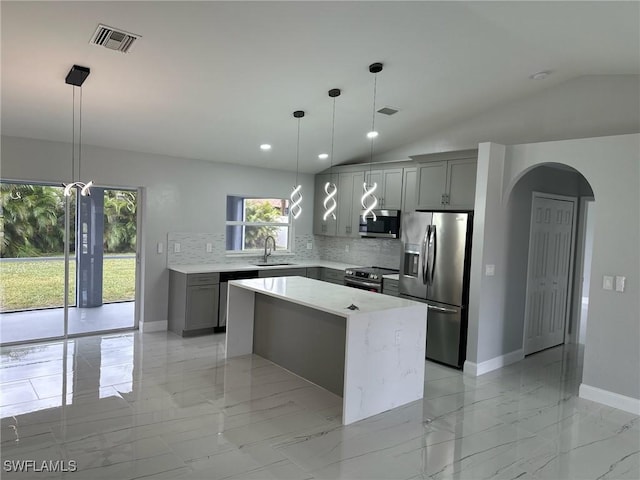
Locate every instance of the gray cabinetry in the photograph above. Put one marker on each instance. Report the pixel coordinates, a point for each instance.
(332, 276)
(410, 182)
(321, 226)
(390, 287)
(193, 302)
(349, 193)
(389, 191)
(282, 272)
(449, 184)
(314, 272)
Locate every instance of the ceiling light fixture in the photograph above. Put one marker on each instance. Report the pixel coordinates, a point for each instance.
(323, 156)
(296, 194)
(265, 147)
(369, 190)
(330, 188)
(76, 77)
(540, 75)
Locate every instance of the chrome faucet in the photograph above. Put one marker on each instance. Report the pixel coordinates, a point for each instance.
(266, 243)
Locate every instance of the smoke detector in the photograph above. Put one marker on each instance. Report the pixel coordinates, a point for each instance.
(114, 39)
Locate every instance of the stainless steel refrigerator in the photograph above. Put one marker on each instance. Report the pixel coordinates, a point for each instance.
(434, 268)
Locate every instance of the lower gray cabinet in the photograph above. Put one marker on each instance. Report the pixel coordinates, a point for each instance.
(332, 276)
(314, 272)
(390, 287)
(193, 302)
(283, 272)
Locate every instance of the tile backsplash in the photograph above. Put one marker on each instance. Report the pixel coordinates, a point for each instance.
(365, 252)
(193, 249)
(361, 251)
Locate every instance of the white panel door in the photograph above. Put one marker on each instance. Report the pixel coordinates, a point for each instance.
(550, 250)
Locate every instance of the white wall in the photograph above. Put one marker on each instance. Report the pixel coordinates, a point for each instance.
(181, 195)
(589, 106)
(611, 165)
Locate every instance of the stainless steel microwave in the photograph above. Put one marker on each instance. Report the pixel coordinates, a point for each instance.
(386, 224)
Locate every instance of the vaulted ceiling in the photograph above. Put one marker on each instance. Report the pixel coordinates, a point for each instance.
(214, 80)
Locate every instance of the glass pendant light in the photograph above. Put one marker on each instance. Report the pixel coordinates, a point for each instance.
(76, 77)
(369, 201)
(296, 193)
(330, 204)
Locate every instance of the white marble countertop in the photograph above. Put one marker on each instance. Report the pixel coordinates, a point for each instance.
(392, 276)
(323, 296)
(238, 267)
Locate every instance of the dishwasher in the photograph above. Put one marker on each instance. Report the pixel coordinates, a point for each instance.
(222, 300)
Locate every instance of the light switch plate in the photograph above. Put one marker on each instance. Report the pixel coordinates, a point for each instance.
(160, 247)
(346, 248)
(209, 248)
(489, 270)
(309, 246)
(176, 247)
(607, 282)
(620, 283)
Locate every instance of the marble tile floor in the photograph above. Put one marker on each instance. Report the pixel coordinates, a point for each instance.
(152, 406)
(49, 322)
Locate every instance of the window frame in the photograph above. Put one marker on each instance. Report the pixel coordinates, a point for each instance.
(239, 223)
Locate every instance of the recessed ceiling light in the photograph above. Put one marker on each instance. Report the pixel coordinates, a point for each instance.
(265, 147)
(540, 75)
(323, 156)
(372, 134)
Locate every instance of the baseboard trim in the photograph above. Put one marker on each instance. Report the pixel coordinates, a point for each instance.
(159, 326)
(611, 399)
(477, 369)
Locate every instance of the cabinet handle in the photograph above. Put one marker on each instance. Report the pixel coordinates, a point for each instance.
(442, 200)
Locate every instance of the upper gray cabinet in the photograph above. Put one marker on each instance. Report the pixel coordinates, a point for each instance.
(410, 182)
(349, 193)
(448, 184)
(320, 226)
(389, 191)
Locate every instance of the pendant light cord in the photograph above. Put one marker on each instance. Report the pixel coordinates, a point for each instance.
(373, 121)
(298, 154)
(80, 140)
(73, 135)
(333, 128)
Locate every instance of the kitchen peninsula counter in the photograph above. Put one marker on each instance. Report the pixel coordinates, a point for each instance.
(372, 356)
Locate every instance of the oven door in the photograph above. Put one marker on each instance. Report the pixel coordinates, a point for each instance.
(363, 284)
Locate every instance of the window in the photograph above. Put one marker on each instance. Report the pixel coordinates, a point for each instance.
(251, 220)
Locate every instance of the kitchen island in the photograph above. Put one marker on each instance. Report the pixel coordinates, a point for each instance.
(372, 355)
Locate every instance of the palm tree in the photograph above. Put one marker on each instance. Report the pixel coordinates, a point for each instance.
(32, 220)
(119, 221)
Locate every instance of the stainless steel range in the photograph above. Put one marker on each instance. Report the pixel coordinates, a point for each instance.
(366, 278)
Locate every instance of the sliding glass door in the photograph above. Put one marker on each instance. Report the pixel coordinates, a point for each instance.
(101, 268)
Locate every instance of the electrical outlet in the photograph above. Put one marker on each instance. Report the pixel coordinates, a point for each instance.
(209, 248)
(160, 248)
(620, 283)
(607, 282)
(176, 247)
(489, 270)
(346, 248)
(309, 246)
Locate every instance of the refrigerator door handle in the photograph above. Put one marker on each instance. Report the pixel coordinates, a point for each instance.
(433, 249)
(423, 254)
(441, 309)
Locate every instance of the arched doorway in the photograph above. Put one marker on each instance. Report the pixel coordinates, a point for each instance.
(545, 274)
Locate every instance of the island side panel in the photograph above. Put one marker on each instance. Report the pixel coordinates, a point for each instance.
(305, 341)
(240, 312)
(385, 361)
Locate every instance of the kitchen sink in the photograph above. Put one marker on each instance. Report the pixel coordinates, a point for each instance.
(274, 264)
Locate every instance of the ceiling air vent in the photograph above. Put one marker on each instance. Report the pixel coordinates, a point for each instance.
(113, 39)
(388, 111)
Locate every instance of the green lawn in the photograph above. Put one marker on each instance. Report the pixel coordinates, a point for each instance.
(39, 284)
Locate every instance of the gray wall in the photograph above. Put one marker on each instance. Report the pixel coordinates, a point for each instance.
(180, 195)
(589, 106)
(611, 165)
